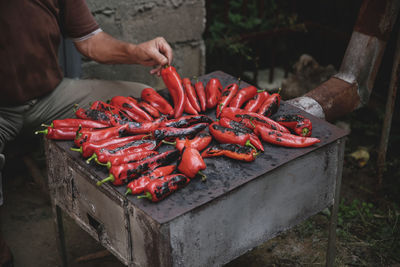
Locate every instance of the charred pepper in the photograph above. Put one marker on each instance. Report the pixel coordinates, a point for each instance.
(270, 105)
(186, 121)
(127, 103)
(297, 123)
(233, 151)
(93, 135)
(199, 142)
(169, 133)
(254, 104)
(191, 163)
(156, 100)
(227, 95)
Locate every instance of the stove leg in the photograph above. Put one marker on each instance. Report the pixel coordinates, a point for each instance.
(60, 238)
(331, 251)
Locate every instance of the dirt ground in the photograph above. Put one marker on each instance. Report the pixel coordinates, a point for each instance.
(368, 232)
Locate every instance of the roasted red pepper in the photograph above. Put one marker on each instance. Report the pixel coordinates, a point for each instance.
(229, 123)
(159, 189)
(59, 133)
(174, 85)
(254, 104)
(137, 186)
(186, 121)
(213, 93)
(88, 148)
(270, 105)
(126, 103)
(251, 119)
(149, 108)
(102, 155)
(243, 96)
(284, 139)
(297, 123)
(201, 94)
(233, 151)
(121, 174)
(156, 100)
(170, 133)
(129, 157)
(231, 136)
(199, 142)
(111, 109)
(191, 163)
(189, 109)
(191, 94)
(140, 127)
(94, 135)
(96, 115)
(75, 123)
(227, 95)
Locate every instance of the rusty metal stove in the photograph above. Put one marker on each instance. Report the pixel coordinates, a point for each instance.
(204, 224)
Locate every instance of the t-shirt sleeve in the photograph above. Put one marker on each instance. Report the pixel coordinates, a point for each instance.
(77, 19)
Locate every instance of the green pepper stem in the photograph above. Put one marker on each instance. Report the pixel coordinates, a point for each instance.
(203, 176)
(108, 164)
(248, 143)
(94, 156)
(105, 180)
(77, 149)
(45, 132)
(128, 191)
(146, 195)
(169, 143)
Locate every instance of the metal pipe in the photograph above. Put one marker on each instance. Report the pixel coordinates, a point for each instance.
(351, 87)
(390, 104)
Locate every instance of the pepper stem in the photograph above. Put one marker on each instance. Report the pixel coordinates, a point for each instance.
(146, 195)
(108, 179)
(305, 131)
(203, 176)
(108, 164)
(248, 143)
(94, 156)
(45, 132)
(46, 125)
(128, 191)
(77, 149)
(169, 143)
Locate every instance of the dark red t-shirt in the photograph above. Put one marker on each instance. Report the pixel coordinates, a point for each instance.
(30, 32)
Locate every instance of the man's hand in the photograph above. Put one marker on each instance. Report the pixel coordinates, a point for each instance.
(104, 48)
(156, 52)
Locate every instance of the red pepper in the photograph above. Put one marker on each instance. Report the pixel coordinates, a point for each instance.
(191, 163)
(93, 135)
(201, 93)
(130, 157)
(88, 148)
(137, 186)
(297, 123)
(231, 136)
(199, 142)
(171, 133)
(254, 104)
(111, 109)
(191, 94)
(213, 93)
(227, 95)
(121, 174)
(156, 100)
(102, 155)
(284, 139)
(251, 119)
(96, 115)
(243, 96)
(186, 121)
(75, 123)
(149, 108)
(159, 189)
(139, 127)
(189, 109)
(233, 151)
(174, 85)
(126, 103)
(59, 133)
(270, 105)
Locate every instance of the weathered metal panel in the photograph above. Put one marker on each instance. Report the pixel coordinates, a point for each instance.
(227, 227)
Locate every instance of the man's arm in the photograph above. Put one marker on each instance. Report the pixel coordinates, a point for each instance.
(104, 48)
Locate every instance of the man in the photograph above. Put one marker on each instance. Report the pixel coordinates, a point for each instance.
(32, 87)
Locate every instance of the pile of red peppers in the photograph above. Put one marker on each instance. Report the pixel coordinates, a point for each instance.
(125, 133)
